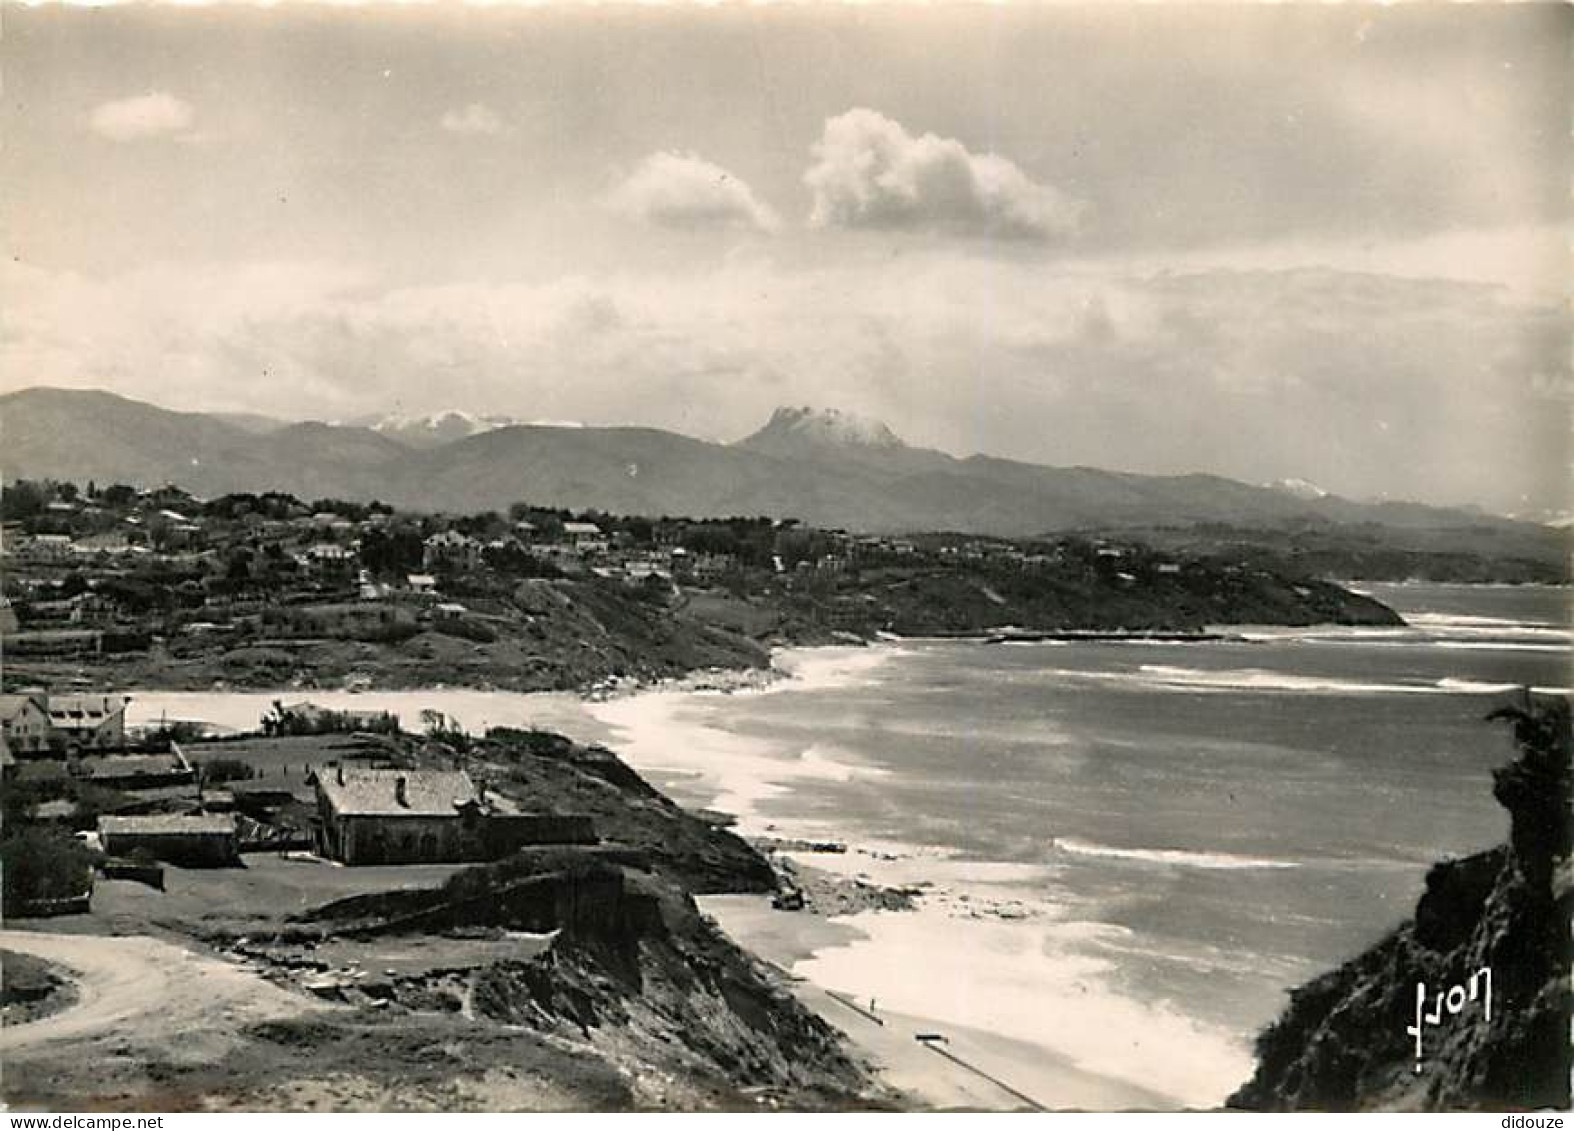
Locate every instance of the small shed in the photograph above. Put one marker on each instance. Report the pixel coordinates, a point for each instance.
(205, 840)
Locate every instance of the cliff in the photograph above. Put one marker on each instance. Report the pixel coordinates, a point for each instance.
(634, 979)
(1343, 1042)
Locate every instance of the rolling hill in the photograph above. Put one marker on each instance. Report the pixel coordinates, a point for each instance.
(824, 467)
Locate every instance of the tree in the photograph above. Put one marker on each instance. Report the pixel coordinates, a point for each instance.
(41, 864)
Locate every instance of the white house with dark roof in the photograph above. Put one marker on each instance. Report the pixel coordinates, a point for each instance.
(451, 549)
(585, 537)
(24, 722)
(88, 722)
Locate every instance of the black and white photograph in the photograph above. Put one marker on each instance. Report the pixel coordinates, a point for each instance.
(809, 557)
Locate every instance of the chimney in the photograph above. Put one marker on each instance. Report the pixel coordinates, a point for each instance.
(400, 795)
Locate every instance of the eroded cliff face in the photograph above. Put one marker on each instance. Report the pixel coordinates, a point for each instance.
(1344, 1041)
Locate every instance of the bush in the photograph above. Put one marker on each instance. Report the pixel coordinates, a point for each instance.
(280, 721)
(39, 864)
(542, 743)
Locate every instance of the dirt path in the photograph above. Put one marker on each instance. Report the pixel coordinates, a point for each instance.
(141, 991)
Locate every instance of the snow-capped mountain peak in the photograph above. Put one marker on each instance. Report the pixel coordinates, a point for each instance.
(823, 427)
(1299, 488)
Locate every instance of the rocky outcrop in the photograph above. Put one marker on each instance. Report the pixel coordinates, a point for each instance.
(1346, 1042)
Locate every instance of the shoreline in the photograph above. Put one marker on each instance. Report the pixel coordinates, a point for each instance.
(977, 1071)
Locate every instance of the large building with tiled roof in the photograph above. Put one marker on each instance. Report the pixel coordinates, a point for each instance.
(399, 816)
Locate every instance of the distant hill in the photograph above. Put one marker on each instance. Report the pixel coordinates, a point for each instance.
(91, 435)
(824, 467)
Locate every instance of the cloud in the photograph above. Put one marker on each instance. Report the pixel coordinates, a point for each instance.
(152, 115)
(681, 190)
(869, 172)
(475, 119)
(1256, 374)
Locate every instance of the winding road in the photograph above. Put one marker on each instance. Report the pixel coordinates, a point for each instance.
(144, 991)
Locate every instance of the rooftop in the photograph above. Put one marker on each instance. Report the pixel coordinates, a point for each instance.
(12, 705)
(157, 824)
(368, 793)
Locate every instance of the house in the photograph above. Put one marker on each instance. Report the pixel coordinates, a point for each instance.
(112, 542)
(24, 722)
(207, 840)
(393, 816)
(48, 547)
(88, 721)
(329, 553)
(397, 816)
(704, 567)
(328, 560)
(451, 550)
(423, 583)
(585, 537)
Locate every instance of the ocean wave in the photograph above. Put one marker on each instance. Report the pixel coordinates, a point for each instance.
(1260, 679)
(1038, 981)
(1475, 686)
(1460, 621)
(831, 667)
(1171, 856)
(1497, 646)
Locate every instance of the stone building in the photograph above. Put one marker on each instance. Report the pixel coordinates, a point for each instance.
(392, 816)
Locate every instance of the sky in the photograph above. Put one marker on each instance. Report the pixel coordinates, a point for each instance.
(1268, 242)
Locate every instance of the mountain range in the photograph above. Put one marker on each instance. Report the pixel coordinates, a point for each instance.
(825, 467)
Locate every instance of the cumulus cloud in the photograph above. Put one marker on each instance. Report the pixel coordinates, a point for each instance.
(476, 119)
(143, 116)
(681, 190)
(869, 172)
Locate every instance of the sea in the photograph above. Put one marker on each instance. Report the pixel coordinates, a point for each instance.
(1127, 852)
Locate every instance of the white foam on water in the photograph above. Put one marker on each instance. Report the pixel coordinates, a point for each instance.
(1259, 679)
(1170, 856)
(818, 669)
(898, 865)
(1498, 646)
(1032, 981)
(663, 729)
(1475, 686)
(1458, 622)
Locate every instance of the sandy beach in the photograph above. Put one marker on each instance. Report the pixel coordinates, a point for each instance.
(976, 1070)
